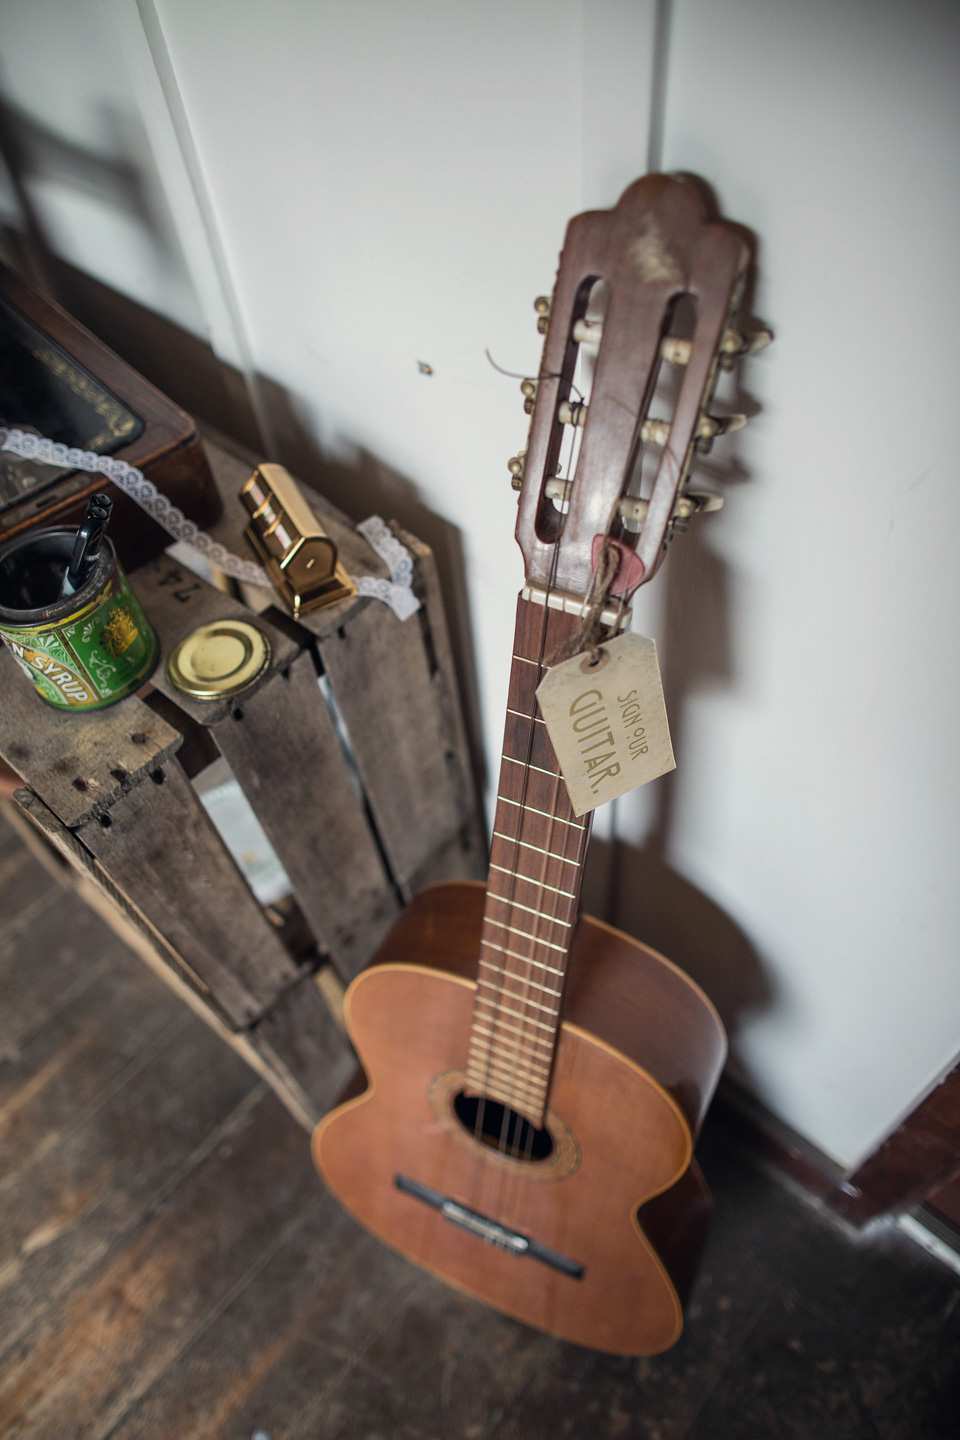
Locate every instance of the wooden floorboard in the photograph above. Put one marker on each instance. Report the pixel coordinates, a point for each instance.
(170, 1266)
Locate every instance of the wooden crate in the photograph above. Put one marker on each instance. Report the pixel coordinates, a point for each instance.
(363, 788)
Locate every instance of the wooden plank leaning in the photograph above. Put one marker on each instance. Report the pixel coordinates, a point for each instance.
(296, 1046)
(280, 741)
(111, 777)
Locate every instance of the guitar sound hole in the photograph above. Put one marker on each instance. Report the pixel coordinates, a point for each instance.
(501, 1128)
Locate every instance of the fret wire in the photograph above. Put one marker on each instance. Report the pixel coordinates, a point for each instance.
(527, 959)
(532, 810)
(526, 933)
(554, 774)
(514, 1030)
(531, 910)
(541, 885)
(538, 1081)
(508, 1064)
(516, 1077)
(507, 1060)
(524, 1036)
(499, 1010)
(514, 840)
(520, 979)
(539, 1072)
(549, 1010)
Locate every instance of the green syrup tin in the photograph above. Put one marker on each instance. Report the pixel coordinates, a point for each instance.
(83, 651)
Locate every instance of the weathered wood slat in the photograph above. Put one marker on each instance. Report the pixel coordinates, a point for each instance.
(400, 704)
(378, 670)
(85, 874)
(281, 744)
(471, 861)
(301, 1050)
(161, 849)
(78, 763)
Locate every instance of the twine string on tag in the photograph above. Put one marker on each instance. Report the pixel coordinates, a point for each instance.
(586, 637)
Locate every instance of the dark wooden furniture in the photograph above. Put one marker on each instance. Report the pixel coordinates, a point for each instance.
(365, 795)
(79, 392)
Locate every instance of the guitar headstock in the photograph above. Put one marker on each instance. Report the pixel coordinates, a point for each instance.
(674, 280)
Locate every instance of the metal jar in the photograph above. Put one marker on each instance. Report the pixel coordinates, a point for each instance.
(83, 651)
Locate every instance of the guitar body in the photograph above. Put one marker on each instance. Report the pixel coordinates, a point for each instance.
(638, 1054)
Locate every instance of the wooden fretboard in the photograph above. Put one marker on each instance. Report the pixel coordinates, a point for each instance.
(532, 892)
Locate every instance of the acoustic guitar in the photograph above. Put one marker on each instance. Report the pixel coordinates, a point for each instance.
(535, 1079)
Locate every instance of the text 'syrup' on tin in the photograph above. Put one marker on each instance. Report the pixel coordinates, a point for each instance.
(82, 651)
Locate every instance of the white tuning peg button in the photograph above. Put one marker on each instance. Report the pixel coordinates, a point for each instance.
(675, 352)
(588, 332)
(710, 426)
(707, 500)
(655, 432)
(572, 412)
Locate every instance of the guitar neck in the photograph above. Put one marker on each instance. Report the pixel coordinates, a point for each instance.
(533, 890)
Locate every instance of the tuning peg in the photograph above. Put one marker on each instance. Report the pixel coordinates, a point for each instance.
(655, 432)
(634, 510)
(557, 489)
(734, 346)
(572, 412)
(758, 341)
(588, 332)
(542, 307)
(528, 389)
(707, 500)
(515, 466)
(674, 351)
(710, 426)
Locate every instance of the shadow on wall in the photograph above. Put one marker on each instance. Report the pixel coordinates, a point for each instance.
(187, 370)
(634, 887)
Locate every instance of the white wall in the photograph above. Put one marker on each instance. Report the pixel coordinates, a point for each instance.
(353, 189)
(820, 793)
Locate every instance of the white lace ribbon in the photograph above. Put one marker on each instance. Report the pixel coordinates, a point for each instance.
(395, 592)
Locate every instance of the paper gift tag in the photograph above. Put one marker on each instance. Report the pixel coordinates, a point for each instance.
(607, 722)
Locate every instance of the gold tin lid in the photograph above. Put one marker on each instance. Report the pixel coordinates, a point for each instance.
(218, 659)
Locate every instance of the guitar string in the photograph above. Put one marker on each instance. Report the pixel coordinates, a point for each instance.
(526, 1029)
(513, 1180)
(502, 975)
(527, 1026)
(500, 988)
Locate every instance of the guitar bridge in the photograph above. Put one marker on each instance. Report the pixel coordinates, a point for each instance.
(489, 1230)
